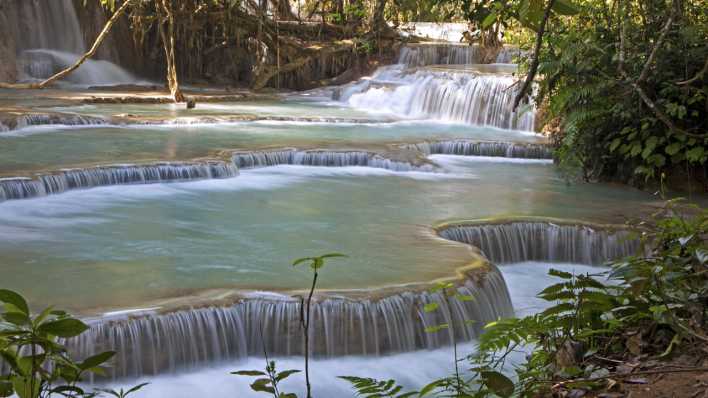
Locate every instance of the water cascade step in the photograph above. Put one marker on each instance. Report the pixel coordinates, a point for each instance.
(484, 148)
(159, 343)
(322, 158)
(38, 64)
(514, 242)
(425, 54)
(448, 95)
(65, 180)
(42, 119)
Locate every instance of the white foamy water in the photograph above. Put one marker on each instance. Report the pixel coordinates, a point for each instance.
(413, 369)
(451, 96)
(42, 63)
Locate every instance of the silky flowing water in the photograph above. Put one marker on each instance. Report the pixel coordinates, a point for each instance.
(132, 215)
(412, 370)
(52, 147)
(131, 244)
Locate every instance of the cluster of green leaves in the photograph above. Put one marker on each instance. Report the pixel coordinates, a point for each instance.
(36, 364)
(659, 297)
(267, 382)
(608, 129)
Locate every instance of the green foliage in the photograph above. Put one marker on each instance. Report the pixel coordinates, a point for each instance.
(267, 382)
(122, 393)
(372, 388)
(38, 364)
(608, 129)
(316, 262)
(657, 297)
(653, 304)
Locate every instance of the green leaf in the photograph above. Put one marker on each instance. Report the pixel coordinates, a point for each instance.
(248, 373)
(560, 274)
(284, 374)
(333, 255)
(69, 327)
(565, 7)
(96, 360)
(16, 318)
(489, 20)
(6, 389)
(136, 388)
(262, 385)
(430, 307)
(615, 143)
(42, 316)
(10, 297)
(26, 387)
(429, 388)
(498, 383)
(673, 149)
(302, 260)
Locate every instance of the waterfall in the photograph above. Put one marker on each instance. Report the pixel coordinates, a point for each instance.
(449, 54)
(161, 343)
(65, 180)
(41, 119)
(481, 148)
(42, 64)
(49, 39)
(70, 179)
(463, 97)
(322, 158)
(54, 24)
(515, 242)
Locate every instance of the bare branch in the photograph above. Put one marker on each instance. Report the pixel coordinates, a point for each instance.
(536, 52)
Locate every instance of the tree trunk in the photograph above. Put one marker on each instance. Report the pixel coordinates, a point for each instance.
(96, 44)
(168, 41)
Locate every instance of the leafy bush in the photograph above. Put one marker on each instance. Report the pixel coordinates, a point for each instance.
(36, 364)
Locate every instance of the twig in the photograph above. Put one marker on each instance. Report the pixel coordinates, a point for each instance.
(657, 45)
(698, 75)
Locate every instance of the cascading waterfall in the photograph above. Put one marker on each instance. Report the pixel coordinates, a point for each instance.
(516, 242)
(42, 119)
(65, 180)
(55, 25)
(480, 148)
(159, 343)
(449, 54)
(322, 158)
(54, 41)
(463, 97)
(43, 63)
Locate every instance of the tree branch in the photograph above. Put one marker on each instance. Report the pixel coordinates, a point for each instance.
(534, 62)
(657, 45)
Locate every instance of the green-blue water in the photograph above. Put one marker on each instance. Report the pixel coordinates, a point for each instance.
(124, 246)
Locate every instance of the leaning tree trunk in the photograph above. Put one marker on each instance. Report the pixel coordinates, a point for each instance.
(96, 44)
(168, 41)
